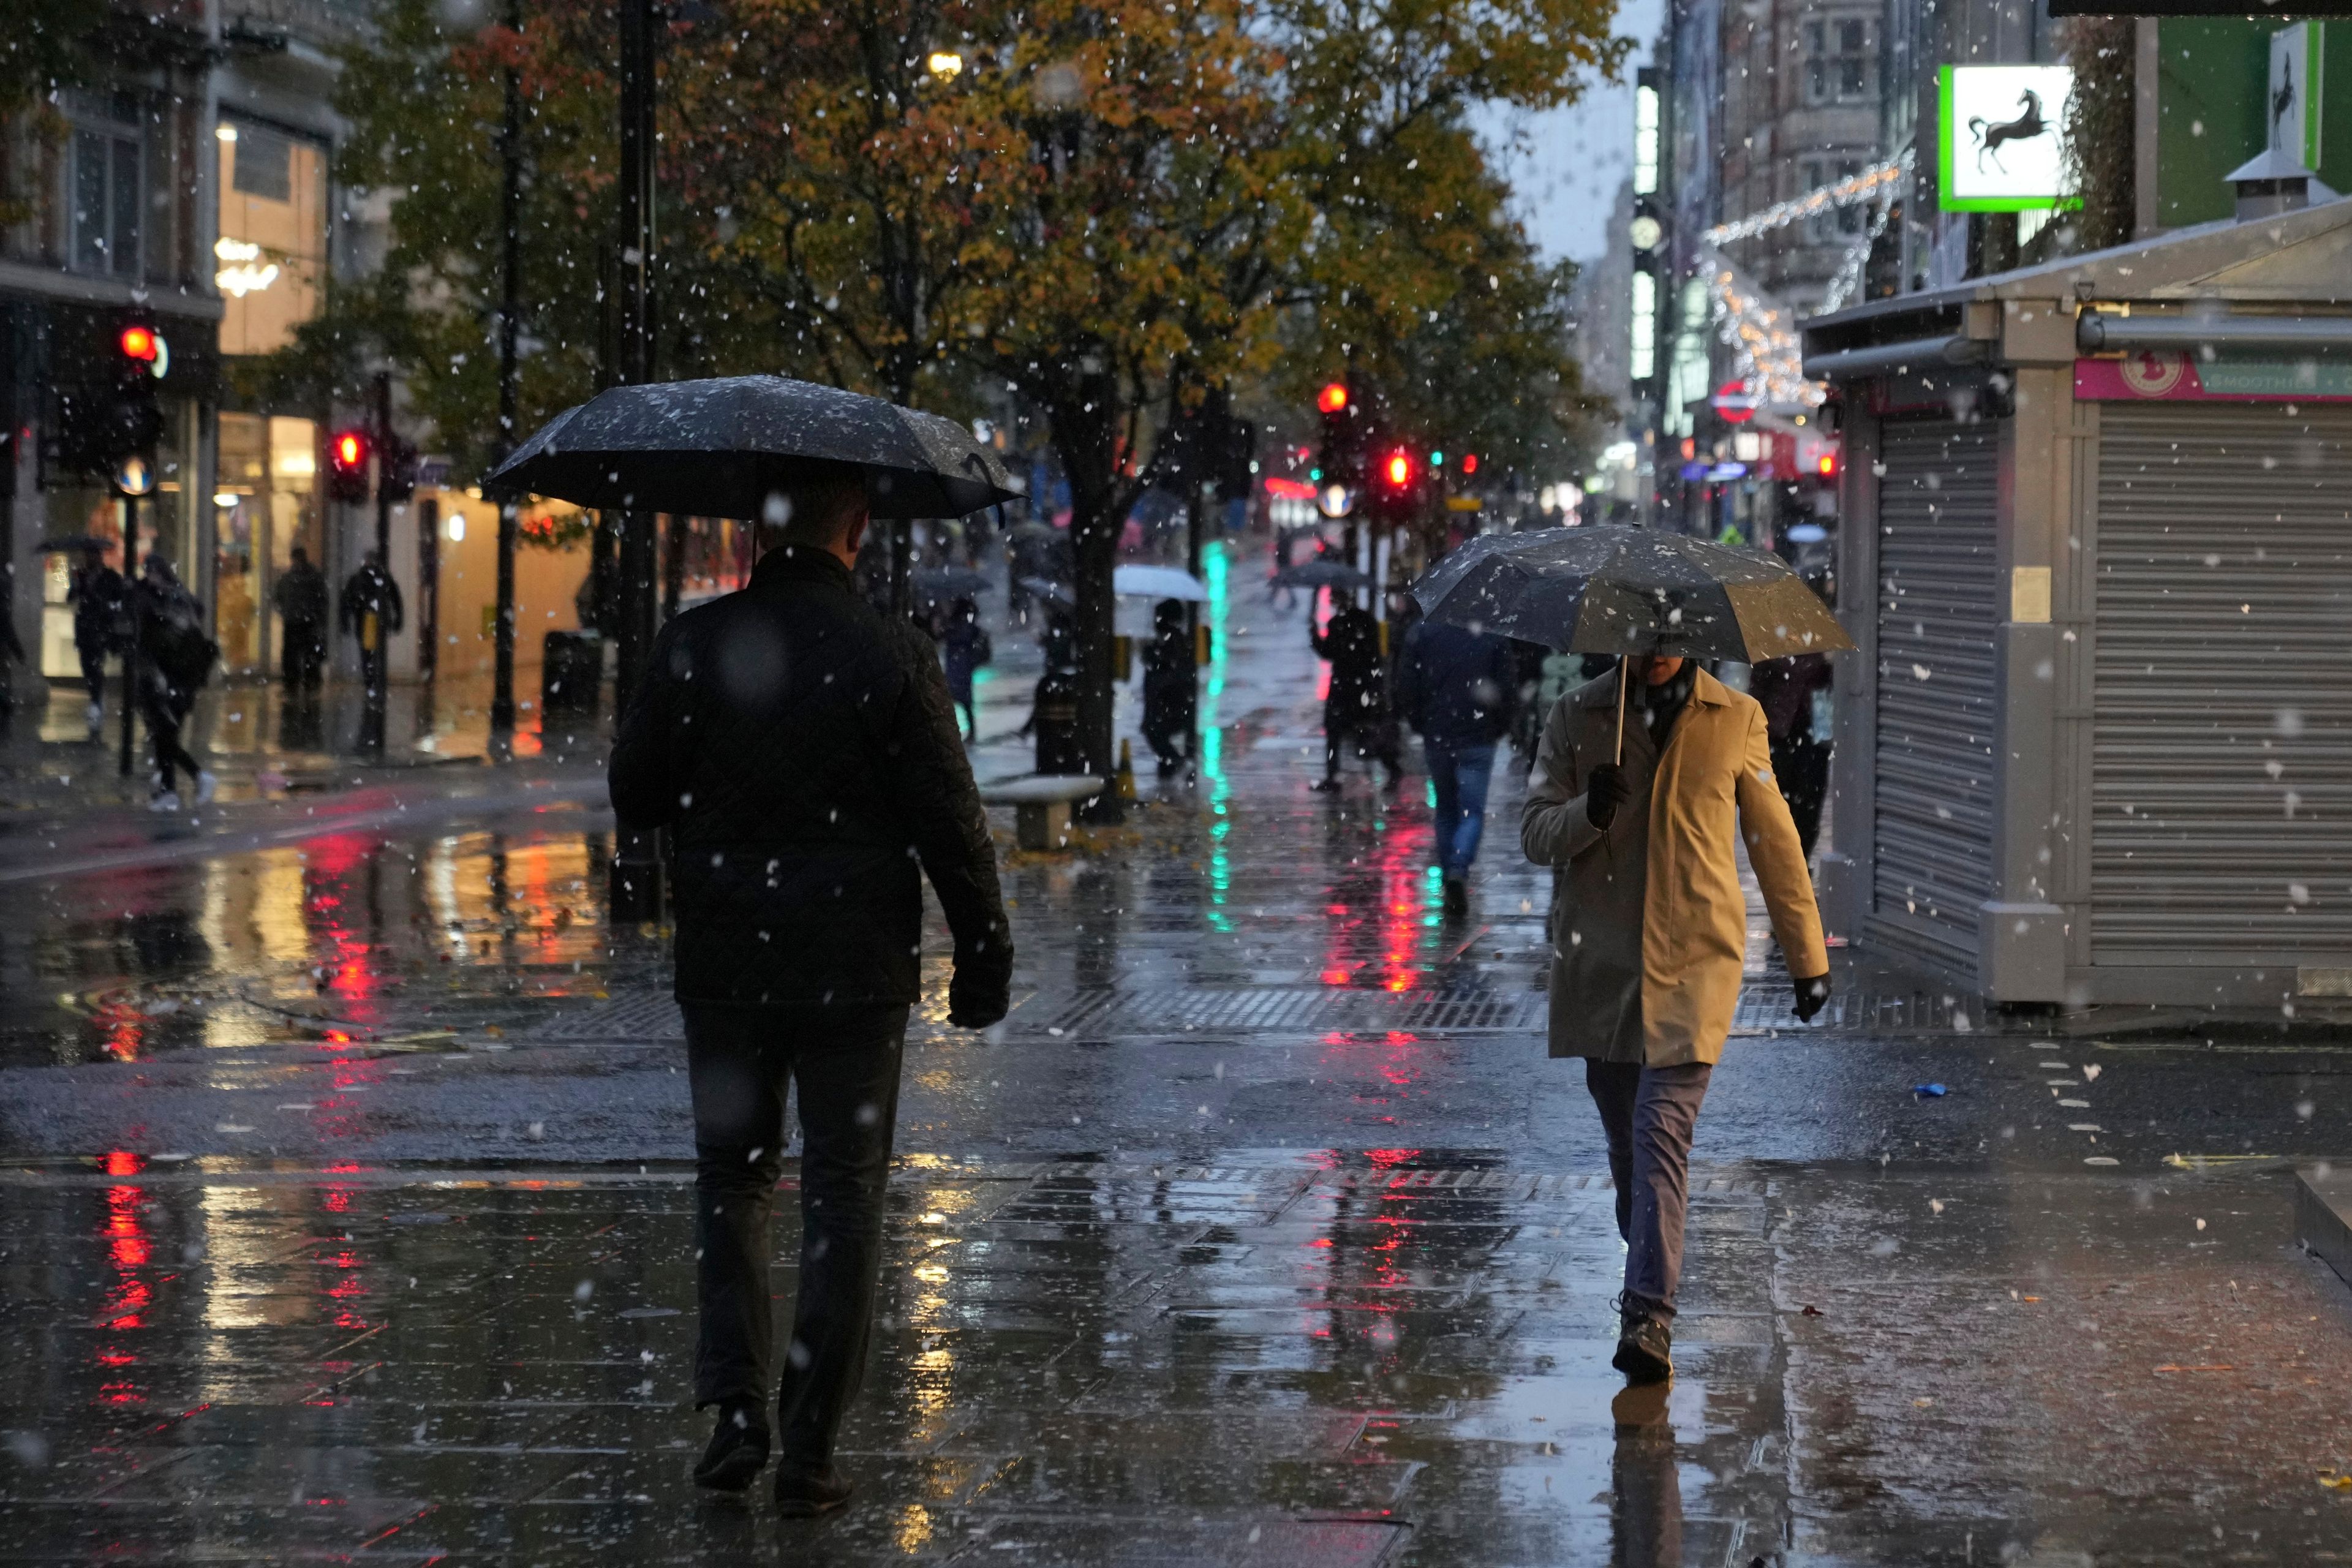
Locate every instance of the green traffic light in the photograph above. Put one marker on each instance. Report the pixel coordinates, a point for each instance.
(1315, 475)
(1437, 459)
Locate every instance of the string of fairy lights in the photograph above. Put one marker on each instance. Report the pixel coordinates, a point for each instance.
(1760, 330)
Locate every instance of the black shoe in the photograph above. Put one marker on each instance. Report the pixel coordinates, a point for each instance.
(1457, 898)
(1645, 1351)
(804, 1493)
(738, 1449)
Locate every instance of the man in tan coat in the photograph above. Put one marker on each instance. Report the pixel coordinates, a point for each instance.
(1649, 930)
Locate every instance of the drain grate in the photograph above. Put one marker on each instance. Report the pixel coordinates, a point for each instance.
(1275, 1009)
(1317, 1010)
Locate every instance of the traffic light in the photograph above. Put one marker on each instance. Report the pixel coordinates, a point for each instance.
(1396, 471)
(1469, 462)
(347, 465)
(1338, 457)
(397, 479)
(1333, 398)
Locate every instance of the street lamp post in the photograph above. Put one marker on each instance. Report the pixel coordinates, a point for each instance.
(637, 856)
(502, 697)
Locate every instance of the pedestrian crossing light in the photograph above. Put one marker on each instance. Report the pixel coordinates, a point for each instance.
(347, 461)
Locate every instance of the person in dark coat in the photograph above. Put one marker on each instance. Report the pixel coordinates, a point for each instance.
(1456, 687)
(963, 648)
(1168, 686)
(1357, 710)
(174, 658)
(96, 593)
(301, 599)
(802, 750)
(1800, 760)
(371, 612)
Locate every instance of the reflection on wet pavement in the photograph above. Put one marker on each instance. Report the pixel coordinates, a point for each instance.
(344, 1216)
(1319, 1358)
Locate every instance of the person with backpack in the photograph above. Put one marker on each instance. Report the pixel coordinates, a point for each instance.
(963, 648)
(174, 658)
(371, 610)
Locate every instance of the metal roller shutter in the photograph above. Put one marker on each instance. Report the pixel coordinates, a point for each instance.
(1936, 609)
(2222, 760)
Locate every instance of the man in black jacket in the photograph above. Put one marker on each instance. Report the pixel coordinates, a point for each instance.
(803, 754)
(1456, 687)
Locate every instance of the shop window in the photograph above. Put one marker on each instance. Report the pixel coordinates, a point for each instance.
(264, 505)
(271, 258)
(106, 202)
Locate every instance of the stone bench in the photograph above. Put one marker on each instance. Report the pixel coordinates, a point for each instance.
(1041, 805)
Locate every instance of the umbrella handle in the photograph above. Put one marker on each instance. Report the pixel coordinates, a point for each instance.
(1621, 710)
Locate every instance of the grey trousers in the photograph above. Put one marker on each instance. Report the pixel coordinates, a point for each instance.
(1648, 1115)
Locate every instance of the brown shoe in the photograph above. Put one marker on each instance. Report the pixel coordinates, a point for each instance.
(804, 1493)
(1645, 1351)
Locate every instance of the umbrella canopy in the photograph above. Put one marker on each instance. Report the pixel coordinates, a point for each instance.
(73, 542)
(1321, 575)
(721, 447)
(950, 582)
(1158, 582)
(1045, 588)
(1605, 589)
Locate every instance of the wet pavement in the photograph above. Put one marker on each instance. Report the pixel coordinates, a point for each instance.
(345, 1208)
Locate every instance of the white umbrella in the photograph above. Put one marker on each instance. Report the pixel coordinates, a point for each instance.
(1157, 582)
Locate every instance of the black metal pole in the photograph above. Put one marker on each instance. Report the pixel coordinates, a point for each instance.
(502, 697)
(130, 606)
(636, 585)
(636, 888)
(1193, 529)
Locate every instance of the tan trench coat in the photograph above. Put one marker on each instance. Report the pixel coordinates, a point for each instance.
(1649, 926)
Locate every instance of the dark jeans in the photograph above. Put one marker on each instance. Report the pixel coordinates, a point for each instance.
(1648, 1114)
(165, 716)
(740, 1060)
(93, 669)
(1459, 774)
(301, 653)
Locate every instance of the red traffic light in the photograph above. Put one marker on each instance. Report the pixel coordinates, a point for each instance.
(1828, 464)
(1333, 398)
(349, 451)
(1399, 468)
(1469, 462)
(137, 343)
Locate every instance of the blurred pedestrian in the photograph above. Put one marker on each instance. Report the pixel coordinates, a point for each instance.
(96, 592)
(1649, 932)
(963, 648)
(802, 750)
(1356, 708)
(174, 658)
(1800, 758)
(371, 613)
(302, 600)
(1169, 686)
(1456, 687)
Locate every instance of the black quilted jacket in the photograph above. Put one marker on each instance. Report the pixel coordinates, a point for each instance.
(802, 750)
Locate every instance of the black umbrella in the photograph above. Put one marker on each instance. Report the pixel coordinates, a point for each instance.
(1321, 575)
(72, 543)
(721, 447)
(1605, 589)
(950, 582)
(1045, 588)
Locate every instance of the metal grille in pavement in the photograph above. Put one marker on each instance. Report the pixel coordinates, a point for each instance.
(1275, 1009)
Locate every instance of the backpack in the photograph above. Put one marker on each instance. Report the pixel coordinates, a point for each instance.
(177, 640)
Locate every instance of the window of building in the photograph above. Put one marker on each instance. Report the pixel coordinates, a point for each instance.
(270, 261)
(1838, 64)
(106, 202)
(1838, 223)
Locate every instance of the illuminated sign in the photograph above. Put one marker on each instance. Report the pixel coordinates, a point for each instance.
(2002, 129)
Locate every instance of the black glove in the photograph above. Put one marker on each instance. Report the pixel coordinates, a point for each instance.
(1812, 995)
(1604, 792)
(977, 1002)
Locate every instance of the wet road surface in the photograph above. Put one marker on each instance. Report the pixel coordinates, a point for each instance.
(346, 1193)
